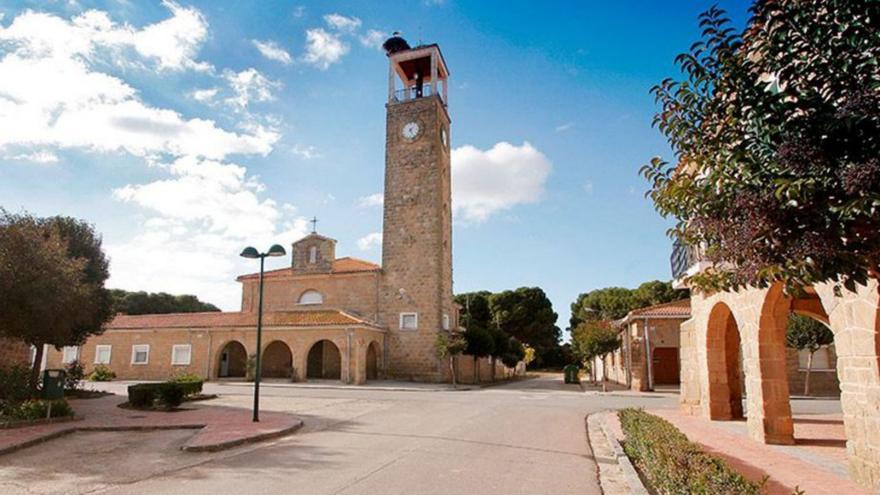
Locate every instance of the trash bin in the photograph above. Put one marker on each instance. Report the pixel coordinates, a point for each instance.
(571, 373)
(53, 384)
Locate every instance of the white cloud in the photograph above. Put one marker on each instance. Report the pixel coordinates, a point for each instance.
(323, 49)
(377, 199)
(342, 23)
(204, 95)
(564, 127)
(306, 152)
(174, 41)
(505, 175)
(370, 241)
(373, 38)
(273, 51)
(36, 157)
(249, 85)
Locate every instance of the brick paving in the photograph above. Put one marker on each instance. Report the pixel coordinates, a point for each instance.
(218, 427)
(817, 465)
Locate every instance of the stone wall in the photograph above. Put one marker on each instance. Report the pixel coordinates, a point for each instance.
(465, 370)
(356, 293)
(823, 382)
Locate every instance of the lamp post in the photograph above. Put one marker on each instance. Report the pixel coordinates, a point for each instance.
(252, 253)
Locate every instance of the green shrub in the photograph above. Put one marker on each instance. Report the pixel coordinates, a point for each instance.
(142, 395)
(674, 465)
(191, 383)
(15, 384)
(73, 375)
(171, 394)
(36, 409)
(102, 373)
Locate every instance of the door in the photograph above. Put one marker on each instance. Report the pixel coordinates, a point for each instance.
(224, 363)
(666, 366)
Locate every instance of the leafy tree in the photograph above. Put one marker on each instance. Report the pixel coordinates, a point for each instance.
(527, 314)
(516, 352)
(595, 339)
(613, 303)
(447, 346)
(479, 343)
(776, 134)
(474, 309)
(806, 334)
(148, 303)
(52, 274)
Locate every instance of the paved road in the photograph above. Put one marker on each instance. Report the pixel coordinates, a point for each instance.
(524, 437)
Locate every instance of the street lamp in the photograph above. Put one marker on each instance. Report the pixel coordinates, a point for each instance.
(252, 253)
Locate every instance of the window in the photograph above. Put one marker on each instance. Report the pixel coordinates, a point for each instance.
(69, 354)
(445, 322)
(140, 354)
(821, 360)
(311, 297)
(313, 254)
(102, 354)
(409, 321)
(181, 354)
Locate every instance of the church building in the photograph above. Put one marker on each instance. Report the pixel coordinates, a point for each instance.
(326, 316)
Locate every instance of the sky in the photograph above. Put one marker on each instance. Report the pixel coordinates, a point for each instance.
(184, 131)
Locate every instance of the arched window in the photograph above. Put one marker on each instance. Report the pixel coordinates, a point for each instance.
(313, 254)
(311, 297)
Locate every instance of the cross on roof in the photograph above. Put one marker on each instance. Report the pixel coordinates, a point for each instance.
(314, 222)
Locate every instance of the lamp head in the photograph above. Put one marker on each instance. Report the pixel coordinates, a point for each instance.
(250, 252)
(276, 250)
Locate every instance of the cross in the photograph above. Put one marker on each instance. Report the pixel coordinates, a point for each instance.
(314, 222)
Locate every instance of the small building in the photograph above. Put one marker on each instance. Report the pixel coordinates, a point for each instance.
(651, 330)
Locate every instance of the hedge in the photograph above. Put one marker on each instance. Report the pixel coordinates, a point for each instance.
(674, 465)
(35, 409)
(167, 394)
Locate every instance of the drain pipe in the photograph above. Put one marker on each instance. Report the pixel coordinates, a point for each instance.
(648, 356)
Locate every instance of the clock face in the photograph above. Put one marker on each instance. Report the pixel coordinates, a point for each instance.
(411, 130)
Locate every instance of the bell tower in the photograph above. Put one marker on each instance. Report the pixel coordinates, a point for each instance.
(416, 288)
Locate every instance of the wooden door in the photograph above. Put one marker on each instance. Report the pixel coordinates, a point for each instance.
(666, 366)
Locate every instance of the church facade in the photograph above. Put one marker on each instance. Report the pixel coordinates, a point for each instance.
(326, 316)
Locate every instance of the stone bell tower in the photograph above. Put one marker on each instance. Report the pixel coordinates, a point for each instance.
(416, 287)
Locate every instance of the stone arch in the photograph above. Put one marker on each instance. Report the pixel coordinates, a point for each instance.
(372, 361)
(324, 360)
(277, 360)
(769, 407)
(724, 360)
(232, 360)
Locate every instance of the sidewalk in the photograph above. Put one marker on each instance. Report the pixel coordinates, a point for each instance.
(816, 465)
(218, 427)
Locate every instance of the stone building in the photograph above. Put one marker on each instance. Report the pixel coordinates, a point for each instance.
(628, 366)
(324, 316)
(13, 353)
(733, 359)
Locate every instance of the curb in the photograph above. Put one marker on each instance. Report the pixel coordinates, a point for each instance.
(348, 387)
(214, 447)
(629, 471)
(11, 425)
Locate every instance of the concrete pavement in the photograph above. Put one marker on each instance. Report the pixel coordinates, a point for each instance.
(524, 437)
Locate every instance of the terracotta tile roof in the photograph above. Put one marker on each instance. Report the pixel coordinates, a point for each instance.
(679, 309)
(340, 265)
(312, 318)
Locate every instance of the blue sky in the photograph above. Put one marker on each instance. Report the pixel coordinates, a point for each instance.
(185, 130)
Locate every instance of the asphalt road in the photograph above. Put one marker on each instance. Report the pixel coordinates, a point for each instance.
(523, 437)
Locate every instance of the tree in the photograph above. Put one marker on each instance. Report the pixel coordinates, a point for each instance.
(595, 339)
(474, 309)
(148, 303)
(52, 274)
(479, 344)
(447, 346)
(806, 334)
(527, 314)
(500, 346)
(516, 352)
(776, 134)
(613, 303)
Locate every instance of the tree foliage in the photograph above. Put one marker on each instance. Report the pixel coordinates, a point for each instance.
(613, 303)
(148, 303)
(595, 338)
(806, 334)
(52, 274)
(776, 133)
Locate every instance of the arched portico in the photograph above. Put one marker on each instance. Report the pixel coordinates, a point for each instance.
(372, 361)
(232, 360)
(277, 360)
(724, 359)
(324, 361)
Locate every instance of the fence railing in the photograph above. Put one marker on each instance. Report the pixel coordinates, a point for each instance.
(413, 93)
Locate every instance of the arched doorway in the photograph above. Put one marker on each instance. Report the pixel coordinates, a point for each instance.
(233, 360)
(373, 361)
(324, 361)
(724, 360)
(277, 361)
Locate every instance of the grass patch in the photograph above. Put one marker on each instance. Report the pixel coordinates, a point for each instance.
(672, 464)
